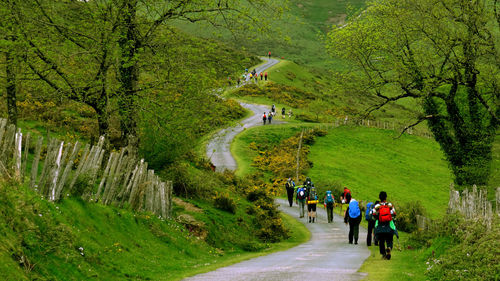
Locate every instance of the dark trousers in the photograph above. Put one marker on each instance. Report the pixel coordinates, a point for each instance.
(354, 229)
(311, 207)
(289, 193)
(329, 211)
(371, 226)
(382, 239)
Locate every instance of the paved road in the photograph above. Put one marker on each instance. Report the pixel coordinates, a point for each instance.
(327, 256)
(218, 150)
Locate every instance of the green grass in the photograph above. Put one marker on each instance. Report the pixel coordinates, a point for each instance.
(404, 265)
(118, 244)
(370, 160)
(296, 36)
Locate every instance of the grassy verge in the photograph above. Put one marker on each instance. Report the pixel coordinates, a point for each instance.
(404, 265)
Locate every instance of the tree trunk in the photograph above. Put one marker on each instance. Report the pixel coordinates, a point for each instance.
(129, 46)
(10, 88)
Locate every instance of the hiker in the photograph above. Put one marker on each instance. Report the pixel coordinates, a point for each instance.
(328, 202)
(265, 76)
(300, 199)
(385, 229)
(307, 184)
(290, 113)
(246, 70)
(261, 76)
(270, 117)
(256, 77)
(353, 217)
(290, 188)
(283, 112)
(344, 195)
(250, 77)
(269, 54)
(371, 223)
(264, 118)
(312, 200)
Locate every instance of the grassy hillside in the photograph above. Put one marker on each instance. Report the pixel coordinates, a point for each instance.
(296, 36)
(367, 161)
(75, 240)
(370, 160)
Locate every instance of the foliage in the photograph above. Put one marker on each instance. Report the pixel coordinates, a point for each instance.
(457, 249)
(407, 49)
(224, 202)
(406, 219)
(281, 159)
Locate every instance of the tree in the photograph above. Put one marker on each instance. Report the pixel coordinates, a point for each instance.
(8, 48)
(443, 53)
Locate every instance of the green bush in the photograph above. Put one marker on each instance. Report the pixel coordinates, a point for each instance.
(225, 203)
(406, 219)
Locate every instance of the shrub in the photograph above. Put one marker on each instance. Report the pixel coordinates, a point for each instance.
(407, 213)
(224, 202)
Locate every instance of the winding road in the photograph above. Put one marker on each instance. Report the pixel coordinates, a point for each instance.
(326, 256)
(218, 149)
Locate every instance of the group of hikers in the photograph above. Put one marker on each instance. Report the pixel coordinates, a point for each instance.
(268, 117)
(379, 215)
(253, 76)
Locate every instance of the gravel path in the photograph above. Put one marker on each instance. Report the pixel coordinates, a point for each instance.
(326, 256)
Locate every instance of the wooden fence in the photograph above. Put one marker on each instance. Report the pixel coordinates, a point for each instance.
(59, 169)
(471, 204)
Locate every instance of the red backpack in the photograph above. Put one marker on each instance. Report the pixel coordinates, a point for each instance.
(384, 214)
(346, 191)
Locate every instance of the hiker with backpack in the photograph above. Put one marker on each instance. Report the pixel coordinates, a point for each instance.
(270, 117)
(283, 112)
(261, 76)
(329, 202)
(290, 188)
(344, 195)
(300, 199)
(273, 109)
(385, 229)
(353, 217)
(371, 223)
(312, 200)
(264, 118)
(265, 76)
(269, 54)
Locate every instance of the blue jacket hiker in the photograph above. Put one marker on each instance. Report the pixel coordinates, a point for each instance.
(353, 217)
(329, 202)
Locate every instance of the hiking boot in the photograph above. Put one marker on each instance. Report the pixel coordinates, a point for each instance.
(356, 243)
(388, 253)
(309, 220)
(313, 220)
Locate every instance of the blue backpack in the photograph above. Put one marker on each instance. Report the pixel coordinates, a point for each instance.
(369, 207)
(301, 193)
(354, 210)
(329, 197)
